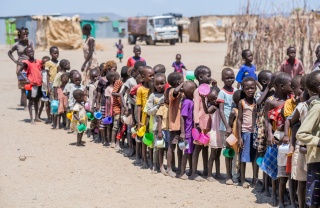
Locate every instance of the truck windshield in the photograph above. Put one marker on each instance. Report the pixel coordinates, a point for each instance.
(164, 22)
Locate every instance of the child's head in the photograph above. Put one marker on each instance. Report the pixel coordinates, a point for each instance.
(86, 29)
(137, 51)
(101, 68)
(237, 96)
(112, 76)
(78, 95)
(94, 74)
(291, 52)
(110, 66)
(249, 86)
(159, 82)
(119, 41)
(29, 52)
(147, 74)
(203, 74)
(264, 78)
(138, 66)
(44, 60)
(318, 53)
(139, 79)
(313, 82)
(227, 77)
(64, 65)
(77, 79)
(273, 78)
(178, 58)
(175, 79)
(296, 85)
(283, 83)
(188, 89)
(71, 73)
(54, 52)
(213, 95)
(159, 69)
(23, 33)
(124, 73)
(247, 55)
(64, 79)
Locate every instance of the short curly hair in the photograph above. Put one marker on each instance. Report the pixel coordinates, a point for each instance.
(109, 65)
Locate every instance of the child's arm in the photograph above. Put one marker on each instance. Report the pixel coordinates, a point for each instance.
(108, 103)
(264, 96)
(159, 128)
(238, 85)
(207, 110)
(122, 92)
(182, 130)
(177, 90)
(224, 120)
(287, 125)
(94, 99)
(151, 108)
(239, 124)
(24, 66)
(258, 85)
(232, 117)
(139, 116)
(268, 123)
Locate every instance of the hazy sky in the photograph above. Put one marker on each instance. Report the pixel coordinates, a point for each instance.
(128, 8)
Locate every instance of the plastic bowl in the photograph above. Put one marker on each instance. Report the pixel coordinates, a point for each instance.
(82, 127)
(87, 106)
(148, 139)
(97, 115)
(259, 161)
(228, 152)
(203, 139)
(90, 116)
(28, 86)
(161, 143)
(231, 140)
(190, 75)
(107, 120)
(69, 116)
(141, 131)
(195, 134)
(204, 89)
(127, 119)
(183, 145)
(54, 104)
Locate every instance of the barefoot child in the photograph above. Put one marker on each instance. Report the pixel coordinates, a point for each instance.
(292, 65)
(32, 67)
(308, 134)
(187, 125)
(44, 101)
(178, 66)
(225, 98)
(155, 100)
(79, 113)
(245, 127)
(143, 91)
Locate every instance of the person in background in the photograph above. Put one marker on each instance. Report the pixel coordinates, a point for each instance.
(292, 65)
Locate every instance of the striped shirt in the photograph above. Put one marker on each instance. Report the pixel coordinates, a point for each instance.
(116, 105)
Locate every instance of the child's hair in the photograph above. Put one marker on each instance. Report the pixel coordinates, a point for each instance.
(52, 48)
(296, 81)
(226, 70)
(263, 75)
(159, 75)
(22, 29)
(244, 52)
(137, 64)
(63, 63)
(109, 64)
(111, 75)
(129, 71)
(200, 70)
(274, 76)
(72, 72)
(215, 88)
(313, 81)
(139, 79)
(78, 94)
(178, 54)
(124, 72)
(290, 48)
(237, 96)
(248, 79)
(64, 78)
(303, 80)
(173, 78)
(283, 78)
(96, 70)
(87, 27)
(159, 68)
(46, 58)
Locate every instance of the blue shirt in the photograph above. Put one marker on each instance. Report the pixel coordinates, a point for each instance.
(246, 71)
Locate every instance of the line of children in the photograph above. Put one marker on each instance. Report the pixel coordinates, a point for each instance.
(285, 113)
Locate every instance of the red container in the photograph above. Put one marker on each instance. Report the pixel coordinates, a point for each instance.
(28, 87)
(121, 132)
(289, 164)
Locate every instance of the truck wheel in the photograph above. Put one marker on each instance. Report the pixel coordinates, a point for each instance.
(149, 41)
(131, 39)
(172, 42)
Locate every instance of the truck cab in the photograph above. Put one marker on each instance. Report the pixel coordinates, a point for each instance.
(162, 29)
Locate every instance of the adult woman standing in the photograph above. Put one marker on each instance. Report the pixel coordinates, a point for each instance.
(89, 51)
(20, 46)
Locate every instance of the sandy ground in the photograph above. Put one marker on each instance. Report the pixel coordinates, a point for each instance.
(56, 174)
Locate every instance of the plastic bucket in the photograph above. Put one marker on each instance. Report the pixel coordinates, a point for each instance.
(90, 116)
(161, 143)
(148, 139)
(183, 145)
(259, 161)
(54, 104)
(203, 139)
(228, 152)
(107, 120)
(141, 131)
(97, 115)
(69, 116)
(195, 134)
(190, 75)
(28, 87)
(231, 140)
(82, 127)
(87, 106)
(204, 89)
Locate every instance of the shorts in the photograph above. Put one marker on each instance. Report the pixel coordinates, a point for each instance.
(248, 152)
(103, 112)
(35, 93)
(45, 96)
(313, 184)
(166, 137)
(191, 146)
(173, 134)
(116, 123)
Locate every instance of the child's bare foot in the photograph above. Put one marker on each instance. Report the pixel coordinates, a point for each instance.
(183, 176)
(112, 145)
(219, 177)
(25, 109)
(281, 205)
(171, 173)
(117, 148)
(37, 120)
(154, 170)
(205, 172)
(178, 171)
(245, 185)
(48, 121)
(229, 182)
(137, 162)
(196, 177)
(80, 145)
(274, 200)
(163, 171)
(211, 179)
(144, 165)
(32, 121)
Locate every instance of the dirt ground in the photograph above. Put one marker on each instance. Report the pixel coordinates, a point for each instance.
(56, 174)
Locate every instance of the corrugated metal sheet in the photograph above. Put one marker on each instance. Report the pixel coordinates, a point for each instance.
(2, 32)
(107, 30)
(29, 23)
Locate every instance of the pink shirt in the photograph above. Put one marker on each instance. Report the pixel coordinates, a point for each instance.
(296, 69)
(199, 116)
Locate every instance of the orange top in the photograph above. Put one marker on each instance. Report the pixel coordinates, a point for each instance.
(174, 111)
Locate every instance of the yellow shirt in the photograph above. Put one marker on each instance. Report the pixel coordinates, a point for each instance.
(52, 68)
(164, 113)
(142, 99)
(289, 107)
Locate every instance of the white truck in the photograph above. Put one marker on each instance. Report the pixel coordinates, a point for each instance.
(152, 29)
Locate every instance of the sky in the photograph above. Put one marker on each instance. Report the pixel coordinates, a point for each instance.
(127, 8)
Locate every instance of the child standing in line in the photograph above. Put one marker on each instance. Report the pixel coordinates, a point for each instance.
(132, 60)
(275, 128)
(234, 170)
(202, 122)
(187, 125)
(225, 98)
(163, 129)
(119, 50)
(155, 100)
(308, 134)
(247, 69)
(175, 79)
(292, 65)
(64, 66)
(52, 66)
(178, 66)
(33, 68)
(79, 113)
(147, 74)
(44, 101)
(245, 127)
(63, 104)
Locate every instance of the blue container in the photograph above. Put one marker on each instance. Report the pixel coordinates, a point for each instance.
(107, 120)
(97, 115)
